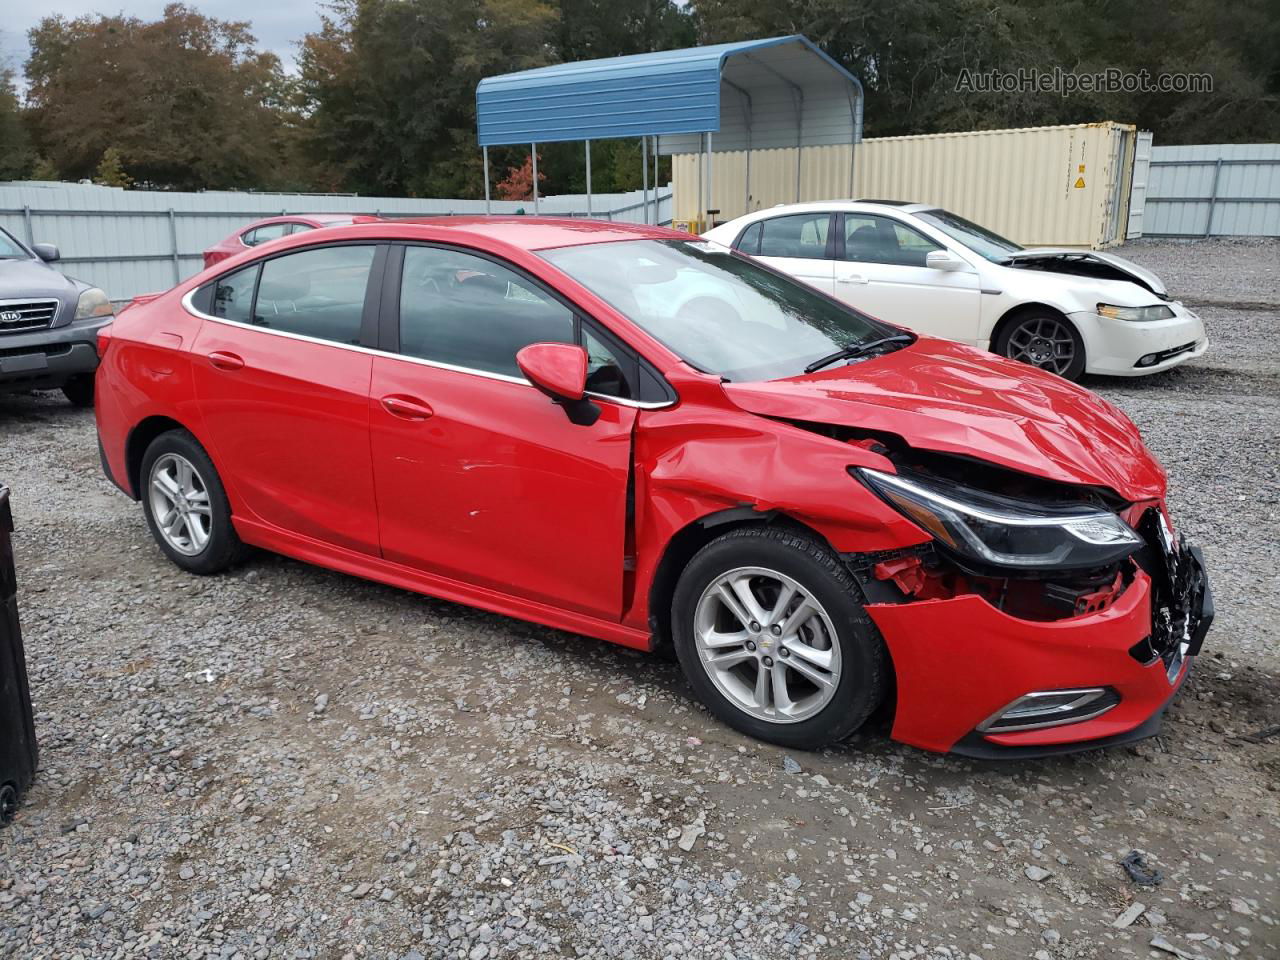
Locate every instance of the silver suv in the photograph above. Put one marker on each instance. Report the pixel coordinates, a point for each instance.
(48, 323)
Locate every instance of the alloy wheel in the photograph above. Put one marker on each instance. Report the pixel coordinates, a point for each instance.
(1043, 342)
(767, 644)
(180, 504)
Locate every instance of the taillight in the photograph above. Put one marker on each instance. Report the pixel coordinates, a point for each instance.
(104, 340)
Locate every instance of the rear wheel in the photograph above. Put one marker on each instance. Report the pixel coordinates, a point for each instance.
(771, 634)
(186, 506)
(79, 390)
(1043, 339)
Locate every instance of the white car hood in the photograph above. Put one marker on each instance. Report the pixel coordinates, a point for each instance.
(1127, 269)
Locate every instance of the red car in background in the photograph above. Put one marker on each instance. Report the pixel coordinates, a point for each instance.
(272, 228)
(629, 433)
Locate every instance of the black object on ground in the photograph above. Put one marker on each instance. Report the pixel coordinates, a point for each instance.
(1139, 872)
(18, 752)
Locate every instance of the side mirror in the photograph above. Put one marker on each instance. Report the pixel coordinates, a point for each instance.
(560, 371)
(46, 252)
(943, 260)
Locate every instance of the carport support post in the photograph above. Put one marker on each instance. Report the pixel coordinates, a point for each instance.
(485, 151)
(588, 142)
(535, 178)
(710, 164)
(644, 177)
(173, 244)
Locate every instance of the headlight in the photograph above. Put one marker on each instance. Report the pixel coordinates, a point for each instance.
(1157, 311)
(1006, 532)
(93, 303)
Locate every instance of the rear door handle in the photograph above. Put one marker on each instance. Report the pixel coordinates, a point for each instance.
(225, 361)
(851, 278)
(406, 408)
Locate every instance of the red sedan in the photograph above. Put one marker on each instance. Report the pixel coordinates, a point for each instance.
(644, 437)
(272, 228)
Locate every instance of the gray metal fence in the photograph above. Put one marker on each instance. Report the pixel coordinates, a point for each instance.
(1211, 190)
(132, 241)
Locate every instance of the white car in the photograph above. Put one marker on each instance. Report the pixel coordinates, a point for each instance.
(1065, 310)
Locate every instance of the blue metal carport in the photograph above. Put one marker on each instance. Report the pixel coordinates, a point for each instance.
(753, 94)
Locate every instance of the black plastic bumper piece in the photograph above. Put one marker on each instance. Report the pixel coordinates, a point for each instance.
(979, 748)
(18, 752)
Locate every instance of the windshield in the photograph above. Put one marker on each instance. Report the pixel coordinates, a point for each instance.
(10, 248)
(978, 239)
(719, 311)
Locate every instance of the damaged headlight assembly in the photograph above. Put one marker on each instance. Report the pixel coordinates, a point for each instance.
(998, 531)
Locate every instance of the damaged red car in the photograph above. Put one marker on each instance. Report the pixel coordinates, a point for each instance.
(644, 437)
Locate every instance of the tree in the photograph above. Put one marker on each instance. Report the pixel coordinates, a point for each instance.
(110, 172)
(518, 184)
(188, 99)
(15, 146)
(389, 88)
(910, 54)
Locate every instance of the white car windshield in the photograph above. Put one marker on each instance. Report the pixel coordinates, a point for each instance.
(718, 310)
(980, 240)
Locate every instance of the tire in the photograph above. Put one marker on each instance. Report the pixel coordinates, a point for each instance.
(79, 390)
(1044, 339)
(204, 541)
(838, 627)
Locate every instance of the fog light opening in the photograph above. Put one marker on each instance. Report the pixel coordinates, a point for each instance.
(1051, 708)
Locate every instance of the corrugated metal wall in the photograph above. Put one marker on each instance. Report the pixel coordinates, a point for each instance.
(1060, 186)
(1213, 190)
(132, 241)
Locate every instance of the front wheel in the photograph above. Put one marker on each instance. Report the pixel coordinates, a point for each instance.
(186, 506)
(771, 634)
(1043, 339)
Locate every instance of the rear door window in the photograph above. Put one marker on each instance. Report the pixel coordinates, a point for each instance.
(799, 236)
(316, 293)
(232, 295)
(264, 233)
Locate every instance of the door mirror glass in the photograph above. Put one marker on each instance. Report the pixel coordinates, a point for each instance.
(46, 252)
(942, 260)
(557, 369)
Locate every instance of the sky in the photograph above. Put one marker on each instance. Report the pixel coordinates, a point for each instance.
(276, 23)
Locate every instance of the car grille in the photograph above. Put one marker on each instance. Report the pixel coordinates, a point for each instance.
(16, 315)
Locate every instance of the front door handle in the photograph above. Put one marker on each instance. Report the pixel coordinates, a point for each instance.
(406, 408)
(225, 361)
(851, 278)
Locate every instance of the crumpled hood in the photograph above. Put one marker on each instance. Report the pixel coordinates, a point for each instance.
(949, 398)
(1137, 274)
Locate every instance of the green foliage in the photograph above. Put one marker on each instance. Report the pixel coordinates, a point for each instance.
(384, 100)
(910, 54)
(16, 156)
(188, 99)
(110, 172)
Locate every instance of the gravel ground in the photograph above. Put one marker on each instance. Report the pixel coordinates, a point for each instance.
(287, 762)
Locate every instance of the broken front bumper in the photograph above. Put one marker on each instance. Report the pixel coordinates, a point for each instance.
(960, 661)
(1124, 348)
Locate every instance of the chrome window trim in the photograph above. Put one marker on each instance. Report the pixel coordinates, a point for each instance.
(436, 364)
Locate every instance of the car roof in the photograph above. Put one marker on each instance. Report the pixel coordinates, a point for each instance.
(906, 206)
(528, 233)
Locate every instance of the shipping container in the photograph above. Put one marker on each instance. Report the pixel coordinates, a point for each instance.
(1041, 186)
